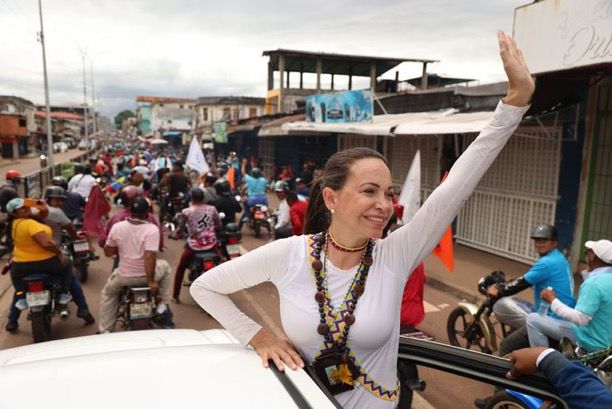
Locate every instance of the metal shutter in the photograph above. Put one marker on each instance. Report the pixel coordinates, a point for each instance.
(518, 192)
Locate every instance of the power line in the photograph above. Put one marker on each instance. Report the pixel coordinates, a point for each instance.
(12, 10)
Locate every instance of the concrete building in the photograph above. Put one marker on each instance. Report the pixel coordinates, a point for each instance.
(227, 109)
(283, 97)
(16, 123)
(170, 117)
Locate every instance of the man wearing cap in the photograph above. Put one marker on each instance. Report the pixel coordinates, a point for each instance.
(282, 229)
(589, 324)
(136, 242)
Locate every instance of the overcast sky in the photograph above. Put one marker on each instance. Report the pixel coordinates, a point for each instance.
(192, 48)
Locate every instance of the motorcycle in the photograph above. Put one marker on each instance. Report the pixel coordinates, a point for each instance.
(258, 218)
(230, 241)
(470, 326)
(136, 310)
(170, 208)
(41, 297)
(79, 253)
(202, 262)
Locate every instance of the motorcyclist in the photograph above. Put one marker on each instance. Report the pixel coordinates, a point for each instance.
(57, 220)
(176, 182)
(136, 242)
(282, 229)
(226, 203)
(74, 202)
(82, 183)
(34, 250)
(202, 223)
(208, 186)
(8, 191)
(256, 189)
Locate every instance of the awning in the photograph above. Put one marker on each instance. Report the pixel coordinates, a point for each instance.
(414, 123)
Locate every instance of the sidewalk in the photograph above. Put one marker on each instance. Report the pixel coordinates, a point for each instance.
(29, 165)
(470, 266)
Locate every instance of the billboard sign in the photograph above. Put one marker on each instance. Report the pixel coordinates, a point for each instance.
(220, 130)
(339, 107)
(564, 34)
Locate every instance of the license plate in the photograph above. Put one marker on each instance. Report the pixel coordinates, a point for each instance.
(141, 310)
(38, 298)
(81, 246)
(233, 249)
(259, 215)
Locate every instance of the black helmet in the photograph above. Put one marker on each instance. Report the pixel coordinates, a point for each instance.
(60, 181)
(232, 228)
(140, 206)
(256, 172)
(78, 168)
(223, 187)
(55, 192)
(545, 231)
(197, 194)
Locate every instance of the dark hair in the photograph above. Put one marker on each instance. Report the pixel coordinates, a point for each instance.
(334, 177)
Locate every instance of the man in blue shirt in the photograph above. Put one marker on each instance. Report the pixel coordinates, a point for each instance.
(588, 324)
(256, 186)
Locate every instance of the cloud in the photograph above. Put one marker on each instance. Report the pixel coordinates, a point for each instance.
(193, 48)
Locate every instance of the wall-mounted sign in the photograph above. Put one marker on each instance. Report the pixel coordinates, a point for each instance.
(562, 34)
(346, 106)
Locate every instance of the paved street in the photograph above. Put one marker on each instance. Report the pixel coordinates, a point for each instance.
(443, 391)
(29, 165)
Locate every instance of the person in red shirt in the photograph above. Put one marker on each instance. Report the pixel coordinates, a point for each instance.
(297, 212)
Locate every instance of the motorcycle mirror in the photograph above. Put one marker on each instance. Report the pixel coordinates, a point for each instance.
(221, 215)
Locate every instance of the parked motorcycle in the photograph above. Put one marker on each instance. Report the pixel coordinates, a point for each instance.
(41, 297)
(470, 326)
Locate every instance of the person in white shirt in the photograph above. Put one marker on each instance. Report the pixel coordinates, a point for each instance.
(282, 229)
(82, 183)
(340, 289)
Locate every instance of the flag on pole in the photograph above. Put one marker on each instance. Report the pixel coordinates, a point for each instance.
(444, 250)
(96, 208)
(195, 157)
(410, 197)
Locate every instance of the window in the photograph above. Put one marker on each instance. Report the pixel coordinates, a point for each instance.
(205, 114)
(226, 114)
(169, 121)
(22, 122)
(252, 112)
(181, 106)
(236, 113)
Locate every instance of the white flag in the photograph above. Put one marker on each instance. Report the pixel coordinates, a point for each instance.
(410, 197)
(195, 157)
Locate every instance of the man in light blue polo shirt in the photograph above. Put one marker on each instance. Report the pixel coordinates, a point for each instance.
(589, 323)
(256, 186)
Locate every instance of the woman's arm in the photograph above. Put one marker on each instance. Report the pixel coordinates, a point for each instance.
(410, 244)
(44, 240)
(211, 290)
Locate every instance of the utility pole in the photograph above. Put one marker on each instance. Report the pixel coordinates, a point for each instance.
(83, 55)
(50, 161)
(93, 97)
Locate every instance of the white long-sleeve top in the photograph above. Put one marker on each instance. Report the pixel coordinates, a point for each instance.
(284, 218)
(374, 338)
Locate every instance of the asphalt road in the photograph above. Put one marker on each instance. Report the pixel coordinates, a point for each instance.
(261, 303)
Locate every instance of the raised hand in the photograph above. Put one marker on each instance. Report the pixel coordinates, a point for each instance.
(520, 83)
(271, 347)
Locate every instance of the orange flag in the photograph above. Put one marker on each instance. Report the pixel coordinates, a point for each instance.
(231, 176)
(444, 249)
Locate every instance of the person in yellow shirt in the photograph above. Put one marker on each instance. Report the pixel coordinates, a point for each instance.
(34, 251)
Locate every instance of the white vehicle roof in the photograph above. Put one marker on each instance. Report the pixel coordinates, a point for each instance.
(146, 369)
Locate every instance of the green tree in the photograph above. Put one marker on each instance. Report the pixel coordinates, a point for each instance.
(121, 116)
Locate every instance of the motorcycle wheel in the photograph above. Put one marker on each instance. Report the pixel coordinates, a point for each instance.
(257, 228)
(83, 272)
(463, 333)
(41, 326)
(503, 400)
